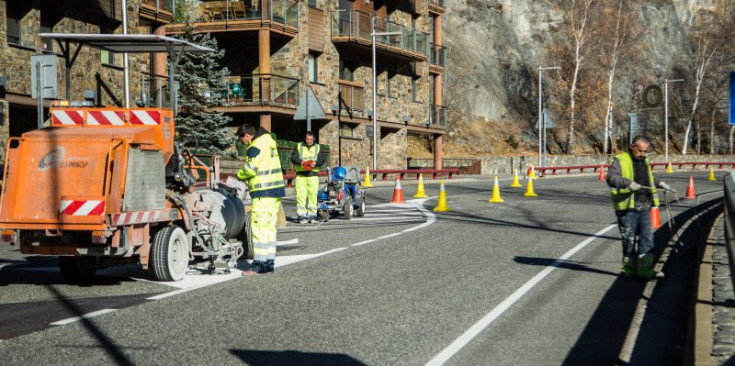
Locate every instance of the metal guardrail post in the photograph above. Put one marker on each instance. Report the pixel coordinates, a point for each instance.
(729, 187)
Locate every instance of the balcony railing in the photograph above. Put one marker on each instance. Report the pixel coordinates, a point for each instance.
(439, 3)
(437, 55)
(261, 89)
(438, 116)
(356, 24)
(353, 96)
(279, 11)
(166, 5)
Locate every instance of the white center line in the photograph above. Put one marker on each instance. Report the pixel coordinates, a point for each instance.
(488, 319)
(85, 316)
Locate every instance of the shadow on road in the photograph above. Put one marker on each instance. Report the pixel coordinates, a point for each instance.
(604, 336)
(286, 358)
(565, 264)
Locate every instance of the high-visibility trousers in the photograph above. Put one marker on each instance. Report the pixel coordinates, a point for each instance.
(306, 191)
(263, 220)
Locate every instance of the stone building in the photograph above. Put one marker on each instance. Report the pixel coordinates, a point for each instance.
(93, 70)
(275, 49)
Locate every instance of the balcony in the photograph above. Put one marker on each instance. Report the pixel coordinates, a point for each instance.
(252, 92)
(160, 11)
(438, 116)
(437, 58)
(436, 6)
(353, 96)
(351, 32)
(281, 16)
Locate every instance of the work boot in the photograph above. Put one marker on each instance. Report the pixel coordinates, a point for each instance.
(256, 268)
(628, 268)
(303, 220)
(645, 268)
(312, 220)
(270, 266)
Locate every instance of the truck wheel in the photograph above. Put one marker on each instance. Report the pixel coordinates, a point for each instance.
(246, 237)
(74, 270)
(348, 208)
(361, 208)
(169, 254)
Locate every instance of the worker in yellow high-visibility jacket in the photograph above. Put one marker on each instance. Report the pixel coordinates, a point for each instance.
(307, 160)
(262, 170)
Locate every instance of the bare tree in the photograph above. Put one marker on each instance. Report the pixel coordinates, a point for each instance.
(582, 33)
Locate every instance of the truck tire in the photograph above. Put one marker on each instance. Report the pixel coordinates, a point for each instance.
(246, 237)
(169, 254)
(348, 209)
(74, 270)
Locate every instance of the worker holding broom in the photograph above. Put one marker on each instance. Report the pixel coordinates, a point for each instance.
(633, 190)
(307, 160)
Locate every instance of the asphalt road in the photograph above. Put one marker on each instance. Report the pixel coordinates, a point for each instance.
(480, 285)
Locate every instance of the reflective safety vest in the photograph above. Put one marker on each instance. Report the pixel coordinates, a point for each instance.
(263, 171)
(624, 198)
(306, 153)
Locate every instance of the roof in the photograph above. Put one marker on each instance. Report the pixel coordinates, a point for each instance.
(130, 43)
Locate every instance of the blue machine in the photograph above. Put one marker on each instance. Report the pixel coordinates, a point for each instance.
(342, 193)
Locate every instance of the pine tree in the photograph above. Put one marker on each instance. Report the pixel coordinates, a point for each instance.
(199, 79)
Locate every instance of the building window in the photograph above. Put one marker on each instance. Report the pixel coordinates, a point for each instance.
(107, 57)
(49, 18)
(347, 70)
(386, 78)
(312, 3)
(346, 131)
(313, 67)
(14, 16)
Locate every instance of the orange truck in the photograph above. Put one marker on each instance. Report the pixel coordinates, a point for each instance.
(109, 186)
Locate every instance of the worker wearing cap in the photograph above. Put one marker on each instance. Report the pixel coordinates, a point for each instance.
(262, 170)
(633, 190)
(307, 160)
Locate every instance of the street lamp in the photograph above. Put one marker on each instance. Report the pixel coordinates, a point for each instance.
(541, 123)
(375, 93)
(666, 114)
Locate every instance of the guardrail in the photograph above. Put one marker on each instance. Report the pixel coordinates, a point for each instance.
(401, 174)
(729, 209)
(553, 169)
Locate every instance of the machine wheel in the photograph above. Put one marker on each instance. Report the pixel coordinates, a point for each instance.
(324, 215)
(361, 208)
(169, 254)
(75, 270)
(348, 209)
(246, 237)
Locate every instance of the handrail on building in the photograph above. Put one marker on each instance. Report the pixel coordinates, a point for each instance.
(250, 89)
(279, 11)
(356, 24)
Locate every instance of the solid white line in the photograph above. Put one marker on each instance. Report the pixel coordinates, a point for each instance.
(483, 323)
(85, 316)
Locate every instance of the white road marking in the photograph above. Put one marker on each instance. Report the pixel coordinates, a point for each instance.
(193, 282)
(488, 319)
(85, 316)
(287, 242)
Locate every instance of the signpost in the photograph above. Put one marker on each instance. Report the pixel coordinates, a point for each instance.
(43, 79)
(309, 108)
(732, 98)
(633, 126)
(548, 124)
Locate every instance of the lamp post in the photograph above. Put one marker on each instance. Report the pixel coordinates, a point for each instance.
(541, 124)
(375, 93)
(666, 115)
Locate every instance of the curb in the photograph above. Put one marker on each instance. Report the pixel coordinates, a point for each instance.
(702, 301)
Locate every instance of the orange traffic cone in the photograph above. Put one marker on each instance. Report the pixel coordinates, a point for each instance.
(655, 218)
(397, 192)
(690, 189)
(602, 173)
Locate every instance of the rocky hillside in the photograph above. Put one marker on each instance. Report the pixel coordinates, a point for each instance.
(496, 46)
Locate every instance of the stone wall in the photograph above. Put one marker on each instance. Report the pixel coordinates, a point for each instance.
(87, 73)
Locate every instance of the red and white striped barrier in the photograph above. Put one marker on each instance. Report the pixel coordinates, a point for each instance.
(105, 118)
(62, 117)
(149, 118)
(138, 217)
(82, 207)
